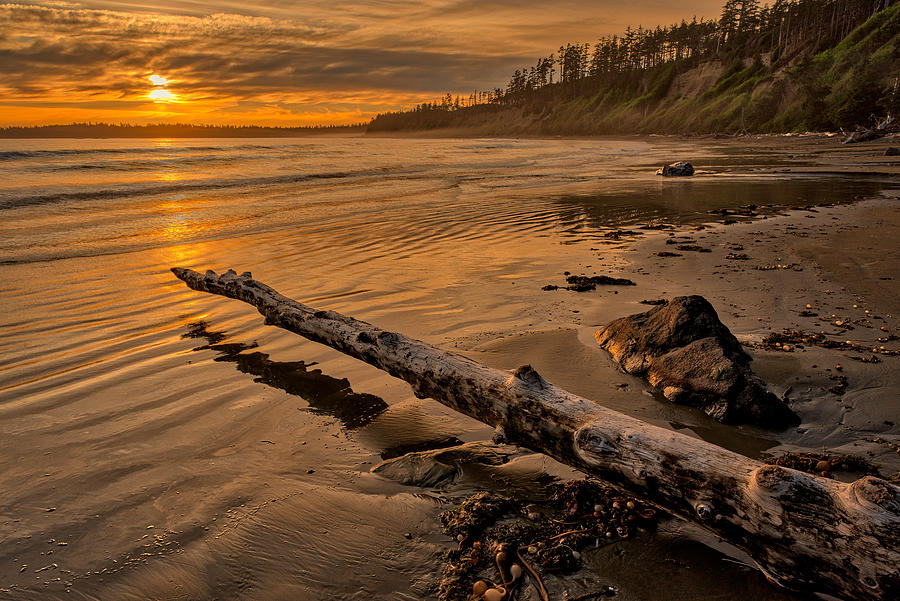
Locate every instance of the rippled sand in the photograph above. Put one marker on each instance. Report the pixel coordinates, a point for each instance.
(163, 444)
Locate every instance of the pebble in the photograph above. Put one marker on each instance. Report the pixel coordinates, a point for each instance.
(494, 594)
(479, 588)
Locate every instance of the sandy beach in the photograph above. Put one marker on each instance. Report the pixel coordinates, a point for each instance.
(164, 444)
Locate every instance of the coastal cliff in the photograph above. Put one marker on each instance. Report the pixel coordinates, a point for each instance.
(757, 85)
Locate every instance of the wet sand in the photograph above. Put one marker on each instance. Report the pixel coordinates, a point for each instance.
(176, 460)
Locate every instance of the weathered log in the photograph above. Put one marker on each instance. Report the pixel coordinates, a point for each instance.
(805, 532)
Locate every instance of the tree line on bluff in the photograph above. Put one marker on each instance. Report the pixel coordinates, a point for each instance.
(784, 31)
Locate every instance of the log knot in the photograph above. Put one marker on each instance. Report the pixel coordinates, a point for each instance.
(388, 338)
(771, 477)
(526, 374)
(705, 511)
(593, 446)
(875, 491)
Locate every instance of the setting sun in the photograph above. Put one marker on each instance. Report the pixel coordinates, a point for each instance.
(162, 96)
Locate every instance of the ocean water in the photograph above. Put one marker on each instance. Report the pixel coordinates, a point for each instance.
(158, 443)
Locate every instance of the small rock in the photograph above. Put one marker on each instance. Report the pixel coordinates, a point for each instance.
(679, 169)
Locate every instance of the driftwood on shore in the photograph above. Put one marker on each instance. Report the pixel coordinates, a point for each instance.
(804, 531)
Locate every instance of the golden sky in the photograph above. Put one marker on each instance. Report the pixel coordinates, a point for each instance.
(282, 62)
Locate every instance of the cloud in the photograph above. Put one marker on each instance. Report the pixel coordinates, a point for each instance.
(289, 54)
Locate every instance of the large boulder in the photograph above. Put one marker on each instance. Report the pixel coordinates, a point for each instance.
(686, 352)
(679, 169)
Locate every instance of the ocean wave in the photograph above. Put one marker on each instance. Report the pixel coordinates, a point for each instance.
(143, 164)
(189, 185)
(17, 155)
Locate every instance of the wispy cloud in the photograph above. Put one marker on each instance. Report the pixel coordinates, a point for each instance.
(304, 61)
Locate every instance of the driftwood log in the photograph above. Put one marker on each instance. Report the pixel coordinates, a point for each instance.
(805, 532)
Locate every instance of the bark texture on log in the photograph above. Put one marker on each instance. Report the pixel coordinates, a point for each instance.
(805, 532)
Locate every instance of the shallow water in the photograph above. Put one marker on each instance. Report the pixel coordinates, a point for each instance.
(161, 443)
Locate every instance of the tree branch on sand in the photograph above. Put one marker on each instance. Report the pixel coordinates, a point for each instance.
(804, 531)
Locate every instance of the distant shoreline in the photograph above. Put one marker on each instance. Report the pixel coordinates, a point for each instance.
(357, 132)
(173, 130)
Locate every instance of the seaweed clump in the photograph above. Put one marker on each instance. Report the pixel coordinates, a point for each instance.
(545, 537)
(777, 340)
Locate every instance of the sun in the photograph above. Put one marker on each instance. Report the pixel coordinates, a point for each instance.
(161, 95)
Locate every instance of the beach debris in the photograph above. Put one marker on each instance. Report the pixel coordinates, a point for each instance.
(789, 336)
(657, 226)
(693, 248)
(687, 353)
(793, 266)
(737, 256)
(585, 283)
(888, 443)
(619, 234)
(841, 386)
(825, 464)
(580, 282)
(440, 467)
(743, 211)
(892, 151)
(869, 359)
(679, 169)
(495, 534)
(778, 516)
(666, 253)
(863, 134)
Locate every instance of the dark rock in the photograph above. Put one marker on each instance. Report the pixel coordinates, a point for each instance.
(892, 151)
(687, 353)
(583, 283)
(679, 169)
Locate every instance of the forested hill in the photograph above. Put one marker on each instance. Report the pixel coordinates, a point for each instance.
(799, 65)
